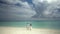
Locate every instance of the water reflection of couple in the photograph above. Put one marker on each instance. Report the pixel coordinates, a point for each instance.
(29, 26)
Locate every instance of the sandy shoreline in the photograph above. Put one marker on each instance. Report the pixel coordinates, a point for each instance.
(18, 30)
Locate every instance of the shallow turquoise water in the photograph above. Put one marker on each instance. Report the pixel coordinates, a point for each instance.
(35, 24)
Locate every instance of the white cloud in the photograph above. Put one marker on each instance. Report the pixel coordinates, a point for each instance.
(50, 1)
(39, 1)
(50, 10)
(36, 1)
(53, 10)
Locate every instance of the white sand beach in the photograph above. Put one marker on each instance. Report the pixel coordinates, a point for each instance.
(18, 30)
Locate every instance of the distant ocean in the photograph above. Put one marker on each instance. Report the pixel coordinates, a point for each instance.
(52, 24)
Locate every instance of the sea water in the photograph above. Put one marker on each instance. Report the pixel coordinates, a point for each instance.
(51, 24)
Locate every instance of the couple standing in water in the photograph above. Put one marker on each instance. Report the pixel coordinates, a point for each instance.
(29, 26)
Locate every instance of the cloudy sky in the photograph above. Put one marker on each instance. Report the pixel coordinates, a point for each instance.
(29, 9)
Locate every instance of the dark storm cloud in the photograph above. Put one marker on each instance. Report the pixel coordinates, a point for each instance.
(40, 7)
(15, 10)
(26, 9)
(29, 1)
